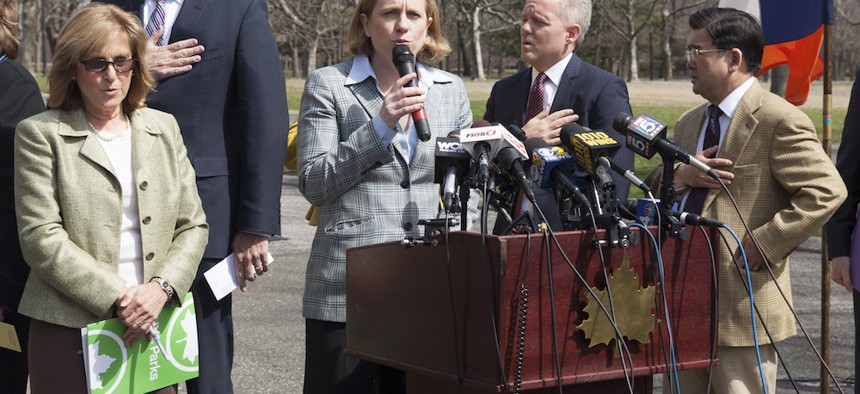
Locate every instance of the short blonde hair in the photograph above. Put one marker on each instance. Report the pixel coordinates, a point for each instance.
(9, 28)
(89, 29)
(436, 46)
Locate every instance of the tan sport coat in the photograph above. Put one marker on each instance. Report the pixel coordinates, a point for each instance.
(69, 205)
(786, 188)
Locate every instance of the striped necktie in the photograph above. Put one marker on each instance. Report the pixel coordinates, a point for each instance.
(696, 199)
(156, 21)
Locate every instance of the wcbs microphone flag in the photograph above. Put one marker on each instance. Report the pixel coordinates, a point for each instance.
(793, 34)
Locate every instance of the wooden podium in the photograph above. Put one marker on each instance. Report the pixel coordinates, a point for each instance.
(399, 311)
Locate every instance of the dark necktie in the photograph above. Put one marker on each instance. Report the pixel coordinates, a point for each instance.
(156, 21)
(696, 199)
(536, 97)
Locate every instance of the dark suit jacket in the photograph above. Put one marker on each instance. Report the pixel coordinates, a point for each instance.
(19, 98)
(232, 111)
(596, 95)
(841, 225)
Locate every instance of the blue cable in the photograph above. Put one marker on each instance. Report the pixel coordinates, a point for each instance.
(752, 305)
(665, 306)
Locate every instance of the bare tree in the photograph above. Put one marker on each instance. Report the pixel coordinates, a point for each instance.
(673, 17)
(633, 16)
(484, 17)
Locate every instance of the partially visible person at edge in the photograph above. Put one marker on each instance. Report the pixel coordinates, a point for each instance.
(19, 99)
(785, 185)
(108, 213)
(845, 269)
(219, 73)
(571, 90)
(361, 163)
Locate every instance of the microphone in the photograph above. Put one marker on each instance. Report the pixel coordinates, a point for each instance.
(404, 60)
(587, 145)
(552, 166)
(452, 162)
(690, 219)
(646, 135)
(608, 162)
(511, 160)
(518, 132)
(481, 142)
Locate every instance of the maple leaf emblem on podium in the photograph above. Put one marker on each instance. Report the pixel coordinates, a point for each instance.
(633, 307)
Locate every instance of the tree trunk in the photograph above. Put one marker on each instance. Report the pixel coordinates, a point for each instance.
(633, 75)
(779, 80)
(312, 55)
(297, 64)
(476, 34)
(666, 47)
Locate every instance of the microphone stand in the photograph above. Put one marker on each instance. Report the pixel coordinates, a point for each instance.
(672, 227)
(464, 206)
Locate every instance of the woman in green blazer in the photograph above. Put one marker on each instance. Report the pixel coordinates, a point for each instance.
(109, 217)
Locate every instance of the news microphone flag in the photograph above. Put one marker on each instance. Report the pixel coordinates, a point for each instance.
(793, 34)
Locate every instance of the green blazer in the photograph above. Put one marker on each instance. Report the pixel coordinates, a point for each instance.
(69, 206)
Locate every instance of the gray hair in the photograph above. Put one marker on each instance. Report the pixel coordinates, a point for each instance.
(576, 12)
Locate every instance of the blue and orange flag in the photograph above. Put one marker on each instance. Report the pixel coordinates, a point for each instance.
(793, 34)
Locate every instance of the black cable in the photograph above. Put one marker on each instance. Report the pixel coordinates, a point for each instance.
(715, 306)
(758, 313)
(779, 288)
(487, 286)
(552, 306)
(523, 311)
(453, 307)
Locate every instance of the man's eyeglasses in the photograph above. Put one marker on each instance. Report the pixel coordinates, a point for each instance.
(694, 53)
(120, 64)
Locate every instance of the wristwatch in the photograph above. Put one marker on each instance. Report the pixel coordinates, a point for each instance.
(168, 289)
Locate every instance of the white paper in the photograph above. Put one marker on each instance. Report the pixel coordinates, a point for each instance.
(222, 277)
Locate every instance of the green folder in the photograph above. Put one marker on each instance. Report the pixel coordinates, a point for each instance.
(114, 368)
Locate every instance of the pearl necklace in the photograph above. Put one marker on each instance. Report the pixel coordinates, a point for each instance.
(108, 136)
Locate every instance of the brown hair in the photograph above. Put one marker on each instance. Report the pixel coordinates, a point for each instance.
(89, 29)
(9, 28)
(435, 44)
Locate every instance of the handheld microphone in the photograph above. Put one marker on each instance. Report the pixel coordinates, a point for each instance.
(452, 162)
(552, 166)
(646, 135)
(404, 60)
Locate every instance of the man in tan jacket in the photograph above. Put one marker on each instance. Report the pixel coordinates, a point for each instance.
(786, 187)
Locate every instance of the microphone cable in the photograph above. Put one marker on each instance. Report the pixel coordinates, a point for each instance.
(619, 338)
(715, 305)
(451, 299)
(623, 348)
(487, 286)
(779, 288)
(673, 366)
(546, 230)
(523, 310)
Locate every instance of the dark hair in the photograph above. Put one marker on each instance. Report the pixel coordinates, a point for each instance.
(731, 28)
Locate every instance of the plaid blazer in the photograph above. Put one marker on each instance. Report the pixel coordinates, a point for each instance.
(365, 191)
(786, 188)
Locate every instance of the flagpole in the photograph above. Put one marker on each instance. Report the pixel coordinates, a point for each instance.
(827, 135)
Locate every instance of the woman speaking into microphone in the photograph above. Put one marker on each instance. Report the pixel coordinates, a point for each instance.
(362, 164)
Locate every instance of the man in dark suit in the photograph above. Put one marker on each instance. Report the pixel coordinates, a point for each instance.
(551, 30)
(846, 268)
(232, 110)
